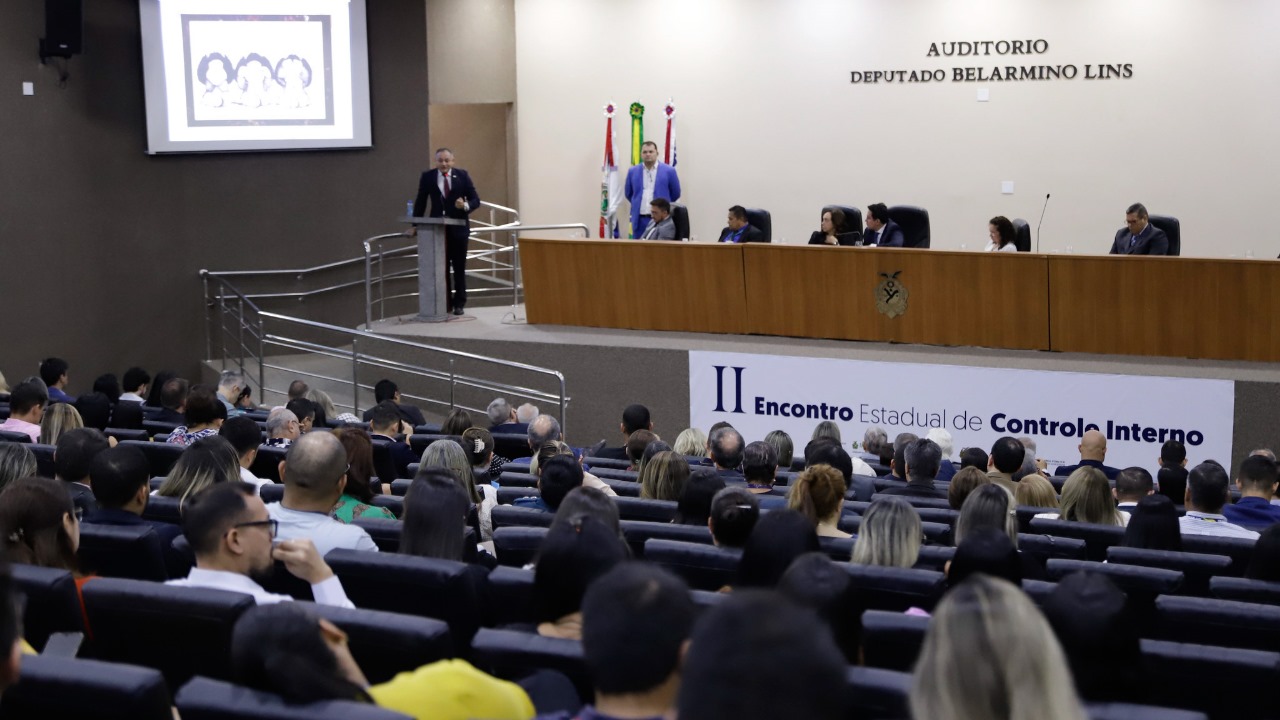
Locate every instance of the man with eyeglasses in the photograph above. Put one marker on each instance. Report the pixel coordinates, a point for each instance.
(228, 528)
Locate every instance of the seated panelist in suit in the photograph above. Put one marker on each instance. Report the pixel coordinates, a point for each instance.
(661, 227)
(739, 230)
(881, 231)
(1003, 236)
(832, 222)
(1139, 236)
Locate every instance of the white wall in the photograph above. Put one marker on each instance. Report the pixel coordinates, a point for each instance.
(767, 116)
(471, 51)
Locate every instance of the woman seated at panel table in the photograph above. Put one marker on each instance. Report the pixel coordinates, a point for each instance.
(832, 222)
(1003, 236)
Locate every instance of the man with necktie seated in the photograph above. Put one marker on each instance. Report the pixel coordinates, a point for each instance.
(881, 231)
(739, 230)
(662, 227)
(1139, 236)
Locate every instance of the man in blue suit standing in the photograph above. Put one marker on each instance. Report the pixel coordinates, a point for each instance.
(452, 195)
(649, 180)
(881, 231)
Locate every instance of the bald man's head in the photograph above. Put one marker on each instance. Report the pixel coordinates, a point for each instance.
(1093, 446)
(315, 466)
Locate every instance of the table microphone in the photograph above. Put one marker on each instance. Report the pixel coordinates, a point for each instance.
(1046, 207)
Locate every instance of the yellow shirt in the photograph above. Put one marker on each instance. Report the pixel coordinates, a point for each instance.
(451, 689)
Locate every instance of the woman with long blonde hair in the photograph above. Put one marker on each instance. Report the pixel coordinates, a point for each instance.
(664, 477)
(1087, 498)
(890, 534)
(59, 418)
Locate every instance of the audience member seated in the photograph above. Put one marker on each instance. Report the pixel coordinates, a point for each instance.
(1093, 450)
(760, 467)
(818, 494)
(542, 430)
(156, 388)
(245, 438)
(557, 448)
(109, 385)
(829, 230)
(232, 534)
(53, 371)
(1029, 465)
(387, 391)
(876, 447)
(815, 582)
(231, 386)
(1264, 565)
(975, 458)
(58, 419)
(315, 474)
(1003, 236)
(881, 230)
(386, 422)
(40, 526)
(503, 418)
(304, 410)
(1099, 636)
(556, 477)
(1172, 477)
(724, 448)
(691, 442)
(734, 513)
(988, 506)
(827, 429)
(1132, 484)
(173, 401)
(1021, 673)
(297, 389)
(890, 534)
(435, 516)
(72, 459)
(1035, 490)
(477, 444)
(1087, 497)
(358, 493)
(826, 452)
(205, 462)
(288, 650)
(636, 622)
(27, 403)
(665, 476)
(1006, 458)
(779, 537)
(203, 416)
(1139, 236)
(326, 408)
(694, 505)
(526, 413)
(634, 417)
(782, 445)
(1153, 525)
(986, 551)
(120, 476)
(94, 409)
(1257, 483)
(738, 230)
(589, 502)
(283, 427)
(754, 630)
(898, 465)
(572, 555)
(945, 443)
(135, 384)
(637, 443)
(456, 422)
(1207, 493)
(922, 459)
(16, 461)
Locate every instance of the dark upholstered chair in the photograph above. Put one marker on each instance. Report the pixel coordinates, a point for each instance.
(630, 508)
(127, 434)
(385, 533)
(1172, 227)
(1176, 675)
(704, 567)
(1022, 235)
(762, 220)
(1048, 546)
(161, 456)
(898, 589)
(1240, 550)
(384, 644)
(914, 222)
(1097, 538)
(267, 464)
(679, 216)
(892, 640)
(1198, 568)
(873, 694)
(52, 603)
(1128, 711)
(58, 687)
(637, 532)
(206, 699)
(517, 545)
(852, 218)
(508, 495)
(1132, 579)
(163, 509)
(1225, 623)
(512, 655)
(1254, 591)
(504, 515)
(123, 551)
(510, 596)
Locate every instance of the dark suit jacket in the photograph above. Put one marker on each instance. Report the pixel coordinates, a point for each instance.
(408, 413)
(843, 239)
(510, 429)
(170, 416)
(1173, 483)
(127, 415)
(460, 186)
(946, 471)
(889, 236)
(914, 489)
(617, 453)
(750, 233)
(176, 563)
(82, 497)
(1064, 470)
(1152, 241)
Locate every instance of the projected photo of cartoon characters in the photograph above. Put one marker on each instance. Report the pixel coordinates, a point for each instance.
(259, 70)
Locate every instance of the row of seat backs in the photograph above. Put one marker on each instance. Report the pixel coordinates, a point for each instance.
(1099, 538)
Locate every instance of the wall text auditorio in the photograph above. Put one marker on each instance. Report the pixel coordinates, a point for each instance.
(984, 73)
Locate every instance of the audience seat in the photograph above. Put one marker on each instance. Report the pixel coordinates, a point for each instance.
(874, 694)
(880, 470)
(1128, 711)
(934, 533)
(512, 655)
(390, 502)
(510, 596)
(508, 495)
(384, 644)
(637, 532)
(1172, 228)
(1240, 550)
(123, 551)
(852, 218)
(271, 493)
(605, 473)
(516, 546)
(680, 217)
(1177, 674)
(156, 427)
(900, 589)
(163, 509)
(511, 445)
(127, 434)
(58, 687)
(419, 442)
(1097, 538)
(161, 456)
(206, 699)
(1253, 591)
(892, 640)
(517, 479)
(1048, 546)
(504, 515)
(623, 488)
(704, 567)
(52, 603)
(16, 437)
(1027, 512)
(914, 222)
(44, 459)
(1022, 235)
(267, 464)
(931, 557)
(1132, 579)
(400, 486)
(1209, 621)
(602, 463)
(1197, 568)
(385, 533)
(838, 549)
(139, 622)
(762, 220)
(630, 508)
(428, 587)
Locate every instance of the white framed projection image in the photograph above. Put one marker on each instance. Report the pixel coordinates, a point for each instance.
(251, 75)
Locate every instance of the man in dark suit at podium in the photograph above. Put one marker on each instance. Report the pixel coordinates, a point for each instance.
(452, 195)
(739, 230)
(1139, 236)
(881, 231)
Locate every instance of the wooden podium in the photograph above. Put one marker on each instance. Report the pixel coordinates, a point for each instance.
(432, 285)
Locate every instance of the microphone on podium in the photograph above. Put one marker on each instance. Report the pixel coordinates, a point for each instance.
(1042, 210)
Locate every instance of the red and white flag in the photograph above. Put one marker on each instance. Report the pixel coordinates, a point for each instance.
(669, 148)
(611, 181)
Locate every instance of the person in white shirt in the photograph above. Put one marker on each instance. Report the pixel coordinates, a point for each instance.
(315, 474)
(245, 436)
(1132, 484)
(231, 533)
(136, 383)
(1003, 236)
(1207, 494)
(26, 410)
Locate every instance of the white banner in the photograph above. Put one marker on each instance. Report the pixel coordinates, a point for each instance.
(761, 393)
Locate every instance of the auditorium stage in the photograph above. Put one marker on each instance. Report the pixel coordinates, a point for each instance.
(605, 369)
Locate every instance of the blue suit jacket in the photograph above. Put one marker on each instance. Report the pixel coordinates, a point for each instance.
(890, 235)
(666, 184)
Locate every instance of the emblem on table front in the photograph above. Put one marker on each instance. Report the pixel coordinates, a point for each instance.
(891, 295)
